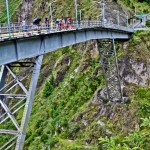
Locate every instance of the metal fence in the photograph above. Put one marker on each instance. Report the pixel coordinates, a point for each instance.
(17, 30)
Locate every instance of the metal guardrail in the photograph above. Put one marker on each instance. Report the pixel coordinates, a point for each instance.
(17, 30)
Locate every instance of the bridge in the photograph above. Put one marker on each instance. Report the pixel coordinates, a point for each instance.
(141, 23)
(25, 50)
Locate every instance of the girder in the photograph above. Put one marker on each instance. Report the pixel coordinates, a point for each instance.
(109, 63)
(19, 78)
(29, 47)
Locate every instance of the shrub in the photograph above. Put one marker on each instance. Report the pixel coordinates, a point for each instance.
(53, 141)
(137, 140)
(148, 23)
(48, 89)
(143, 100)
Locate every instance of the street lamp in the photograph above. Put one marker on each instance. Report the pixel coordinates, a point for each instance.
(80, 14)
(103, 10)
(51, 14)
(126, 17)
(135, 11)
(118, 17)
(8, 18)
(76, 8)
(127, 21)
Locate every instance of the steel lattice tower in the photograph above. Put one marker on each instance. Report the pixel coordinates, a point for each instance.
(109, 63)
(19, 78)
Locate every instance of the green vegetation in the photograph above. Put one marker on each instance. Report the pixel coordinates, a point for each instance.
(48, 89)
(135, 140)
(64, 100)
(148, 24)
(67, 119)
(141, 6)
(142, 96)
(68, 113)
(13, 8)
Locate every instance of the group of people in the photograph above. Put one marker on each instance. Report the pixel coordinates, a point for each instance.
(64, 23)
(57, 24)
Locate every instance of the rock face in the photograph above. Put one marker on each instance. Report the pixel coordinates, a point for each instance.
(136, 73)
(30, 9)
(133, 72)
(26, 9)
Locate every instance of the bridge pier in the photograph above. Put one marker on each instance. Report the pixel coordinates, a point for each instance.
(11, 103)
(109, 63)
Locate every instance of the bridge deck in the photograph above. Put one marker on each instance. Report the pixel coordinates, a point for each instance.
(17, 30)
(19, 46)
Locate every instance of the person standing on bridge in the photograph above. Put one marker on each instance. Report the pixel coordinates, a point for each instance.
(37, 22)
(23, 24)
(47, 23)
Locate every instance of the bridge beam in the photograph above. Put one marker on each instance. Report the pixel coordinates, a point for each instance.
(29, 47)
(17, 82)
(109, 63)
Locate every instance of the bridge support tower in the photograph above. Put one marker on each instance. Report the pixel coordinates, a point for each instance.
(109, 63)
(19, 78)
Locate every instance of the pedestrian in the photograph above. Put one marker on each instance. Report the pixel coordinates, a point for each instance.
(37, 22)
(47, 23)
(57, 24)
(23, 25)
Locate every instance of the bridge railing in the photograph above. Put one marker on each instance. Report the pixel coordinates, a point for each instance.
(17, 30)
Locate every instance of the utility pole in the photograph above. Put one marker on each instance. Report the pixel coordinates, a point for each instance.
(76, 8)
(8, 17)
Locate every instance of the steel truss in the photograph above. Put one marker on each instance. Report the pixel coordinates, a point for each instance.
(109, 63)
(23, 83)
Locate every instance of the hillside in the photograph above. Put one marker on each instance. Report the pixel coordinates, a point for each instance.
(13, 8)
(75, 117)
(25, 9)
(68, 112)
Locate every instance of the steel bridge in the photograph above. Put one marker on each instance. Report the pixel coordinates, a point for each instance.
(25, 50)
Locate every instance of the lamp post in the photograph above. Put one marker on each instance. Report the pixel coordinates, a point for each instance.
(80, 14)
(127, 21)
(118, 17)
(135, 11)
(8, 18)
(51, 14)
(76, 8)
(103, 11)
